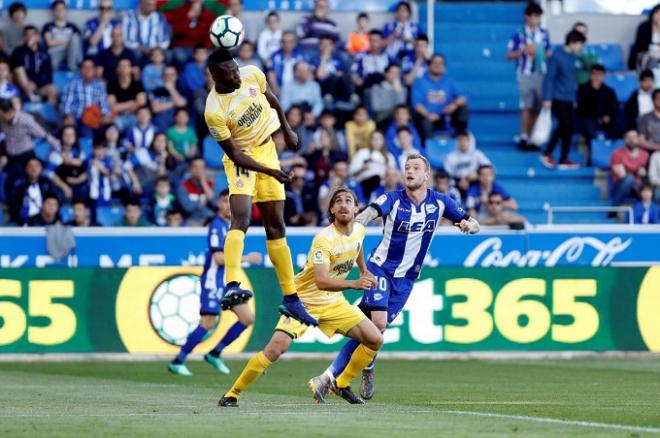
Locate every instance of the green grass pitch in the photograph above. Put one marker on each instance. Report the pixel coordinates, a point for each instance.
(583, 397)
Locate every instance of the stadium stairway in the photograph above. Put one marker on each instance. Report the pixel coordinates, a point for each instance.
(474, 37)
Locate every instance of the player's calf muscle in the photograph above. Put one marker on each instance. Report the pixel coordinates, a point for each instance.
(277, 346)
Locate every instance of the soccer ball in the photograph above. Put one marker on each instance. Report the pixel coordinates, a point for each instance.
(226, 32)
(174, 308)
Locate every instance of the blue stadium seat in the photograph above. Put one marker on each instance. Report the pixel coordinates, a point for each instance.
(601, 151)
(42, 149)
(61, 78)
(475, 52)
(220, 183)
(610, 55)
(109, 216)
(623, 84)
(437, 149)
(3, 177)
(86, 146)
(66, 214)
(213, 153)
(46, 110)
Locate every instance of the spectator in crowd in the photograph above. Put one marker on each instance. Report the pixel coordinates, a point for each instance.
(415, 64)
(195, 194)
(108, 59)
(443, 184)
(115, 148)
(166, 99)
(628, 168)
(145, 29)
(331, 73)
(26, 194)
(133, 216)
(192, 77)
(391, 181)
(62, 39)
(463, 163)
(49, 213)
(125, 95)
(358, 40)
(328, 123)
(312, 27)
(649, 125)
(399, 35)
(7, 89)
(163, 201)
(182, 137)
(246, 55)
(300, 206)
(358, 130)
(270, 38)
(560, 94)
(32, 68)
(143, 166)
(368, 68)
(142, 134)
(645, 211)
(645, 38)
(640, 101)
(303, 90)
(387, 95)
(85, 94)
(587, 59)
(103, 176)
(174, 218)
(294, 116)
(405, 140)
(280, 67)
(339, 176)
(436, 98)
(402, 117)
(12, 29)
(530, 48)
(198, 105)
(481, 189)
(81, 215)
(369, 164)
(97, 35)
(597, 109)
(19, 129)
(152, 73)
(321, 154)
(496, 214)
(189, 22)
(654, 174)
(69, 163)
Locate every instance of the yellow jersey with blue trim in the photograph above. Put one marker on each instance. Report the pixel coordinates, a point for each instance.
(244, 114)
(335, 249)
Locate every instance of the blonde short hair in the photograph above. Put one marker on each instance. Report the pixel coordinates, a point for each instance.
(419, 157)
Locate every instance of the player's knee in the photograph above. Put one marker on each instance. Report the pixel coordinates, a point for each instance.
(273, 351)
(275, 231)
(207, 321)
(374, 340)
(240, 222)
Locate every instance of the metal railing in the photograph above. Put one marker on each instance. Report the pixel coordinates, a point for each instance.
(551, 210)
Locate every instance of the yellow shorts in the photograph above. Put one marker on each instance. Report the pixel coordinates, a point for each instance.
(261, 187)
(339, 317)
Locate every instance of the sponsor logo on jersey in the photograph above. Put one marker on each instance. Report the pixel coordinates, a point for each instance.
(415, 227)
(318, 257)
(343, 268)
(250, 115)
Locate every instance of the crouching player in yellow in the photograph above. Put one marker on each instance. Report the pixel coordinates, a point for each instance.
(320, 284)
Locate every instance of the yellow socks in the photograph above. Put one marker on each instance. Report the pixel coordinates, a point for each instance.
(280, 255)
(252, 371)
(234, 243)
(362, 356)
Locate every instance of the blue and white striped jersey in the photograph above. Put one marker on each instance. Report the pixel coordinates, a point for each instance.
(213, 276)
(408, 230)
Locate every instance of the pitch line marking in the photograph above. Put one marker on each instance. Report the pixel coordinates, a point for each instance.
(579, 423)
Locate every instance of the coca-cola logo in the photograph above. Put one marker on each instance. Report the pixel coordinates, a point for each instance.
(489, 253)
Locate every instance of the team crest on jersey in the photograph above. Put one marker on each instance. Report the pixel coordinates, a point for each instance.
(381, 199)
(253, 92)
(430, 208)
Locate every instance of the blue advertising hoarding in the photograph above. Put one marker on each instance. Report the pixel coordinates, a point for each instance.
(541, 247)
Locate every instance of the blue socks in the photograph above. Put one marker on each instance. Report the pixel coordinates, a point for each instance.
(342, 359)
(194, 338)
(231, 335)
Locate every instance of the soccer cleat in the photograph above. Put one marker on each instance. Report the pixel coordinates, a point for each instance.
(320, 385)
(293, 308)
(217, 363)
(547, 161)
(179, 369)
(235, 295)
(228, 402)
(368, 385)
(347, 394)
(568, 164)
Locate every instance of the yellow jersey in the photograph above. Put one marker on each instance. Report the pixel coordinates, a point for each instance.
(339, 252)
(244, 114)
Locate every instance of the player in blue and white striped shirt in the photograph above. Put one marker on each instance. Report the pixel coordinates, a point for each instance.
(410, 218)
(145, 28)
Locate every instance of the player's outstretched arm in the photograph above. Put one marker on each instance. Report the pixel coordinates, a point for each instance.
(241, 160)
(469, 226)
(367, 215)
(290, 137)
(324, 281)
